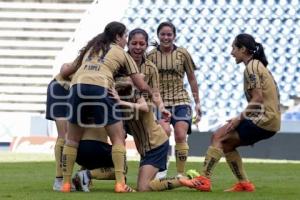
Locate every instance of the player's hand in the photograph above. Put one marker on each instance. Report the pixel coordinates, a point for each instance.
(198, 114)
(232, 124)
(114, 95)
(166, 114)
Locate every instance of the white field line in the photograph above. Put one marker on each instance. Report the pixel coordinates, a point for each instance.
(38, 157)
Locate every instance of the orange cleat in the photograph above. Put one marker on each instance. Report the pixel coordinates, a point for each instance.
(245, 186)
(201, 183)
(123, 188)
(66, 187)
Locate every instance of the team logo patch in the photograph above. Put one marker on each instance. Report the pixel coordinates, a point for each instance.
(252, 78)
(177, 62)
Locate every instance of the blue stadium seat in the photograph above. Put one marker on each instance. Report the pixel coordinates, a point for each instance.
(207, 29)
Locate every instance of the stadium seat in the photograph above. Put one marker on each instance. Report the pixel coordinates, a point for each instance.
(32, 34)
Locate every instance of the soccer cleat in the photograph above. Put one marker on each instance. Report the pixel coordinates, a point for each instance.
(199, 183)
(161, 175)
(83, 180)
(180, 176)
(123, 188)
(66, 187)
(57, 184)
(244, 186)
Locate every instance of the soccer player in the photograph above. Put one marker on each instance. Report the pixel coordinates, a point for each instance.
(93, 152)
(57, 110)
(95, 157)
(173, 63)
(137, 46)
(151, 138)
(260, 119)
(98, 62)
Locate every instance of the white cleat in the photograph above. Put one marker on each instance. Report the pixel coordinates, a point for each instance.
(57, 184)
(180, 176)
(161, 175)
(84, 180)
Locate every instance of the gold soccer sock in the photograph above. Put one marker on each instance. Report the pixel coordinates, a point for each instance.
(164, 184)
(119, 160)
(69, 157)
(212, 158)
(58, 149)
(181, 153)
(235, 163)
(103, 173)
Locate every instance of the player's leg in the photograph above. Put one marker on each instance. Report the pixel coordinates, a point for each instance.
(56, 110)
(145, 176)
(247, 133)
(181, 146)
(61, 125)
(167, 128)
(181, 121)
(74, 135)
(96, 158)
(212, 157)
(153, 161)
(117, 137)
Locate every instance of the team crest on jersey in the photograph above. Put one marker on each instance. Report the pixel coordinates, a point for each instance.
(178, 63)
(252, 78)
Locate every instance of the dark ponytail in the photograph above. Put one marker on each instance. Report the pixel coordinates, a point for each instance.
(154, 43)
(102, 40)
(259, 54)
(254, 48)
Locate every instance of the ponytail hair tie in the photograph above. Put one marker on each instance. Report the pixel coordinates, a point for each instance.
(257, 46)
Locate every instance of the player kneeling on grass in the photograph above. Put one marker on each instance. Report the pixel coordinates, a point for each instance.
(260, 120)
(150, 138)
(94, 155)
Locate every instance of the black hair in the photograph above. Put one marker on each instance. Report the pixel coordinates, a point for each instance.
(102, 40)
(138, 31)
(163, 24)
(125, 91)
(160, 26)
(254, 48)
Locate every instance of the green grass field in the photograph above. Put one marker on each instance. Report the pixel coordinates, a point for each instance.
(33, 180)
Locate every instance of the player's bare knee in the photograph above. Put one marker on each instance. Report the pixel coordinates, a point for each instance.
(227, 145)
(180, 139)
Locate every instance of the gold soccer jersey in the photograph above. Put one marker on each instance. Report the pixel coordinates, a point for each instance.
(147, 133)
(171, 68)
(151, 75)
(97, 134)
(100, 69)
(256, 75)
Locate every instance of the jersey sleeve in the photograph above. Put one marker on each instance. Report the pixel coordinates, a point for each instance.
(189, 64)
(130, 65)
(154, 79)
(253, 75)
